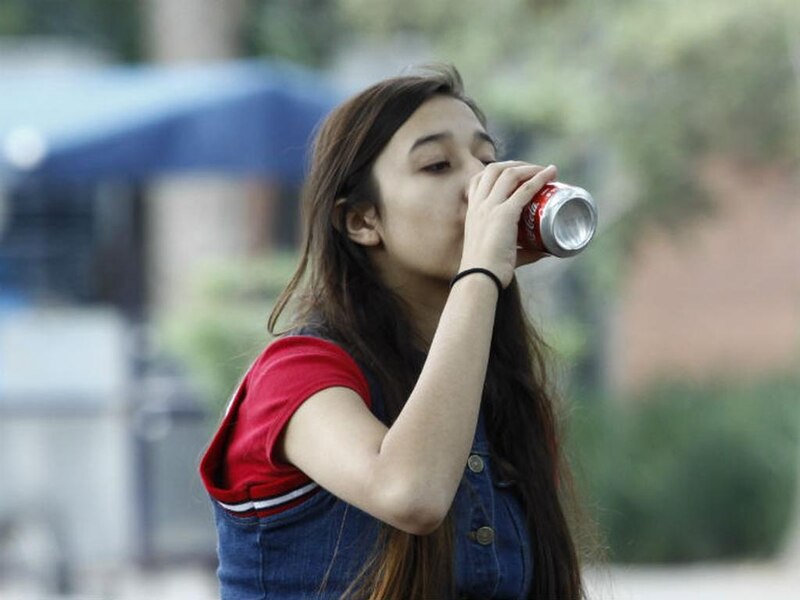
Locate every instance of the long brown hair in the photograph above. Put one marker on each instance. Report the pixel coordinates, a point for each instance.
(336, 290)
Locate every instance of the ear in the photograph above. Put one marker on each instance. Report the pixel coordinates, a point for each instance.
(361, 224)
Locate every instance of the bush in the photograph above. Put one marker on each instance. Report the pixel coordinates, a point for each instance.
(222, 327)
(688, 472)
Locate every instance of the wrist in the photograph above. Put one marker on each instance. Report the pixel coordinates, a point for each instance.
(478, 272)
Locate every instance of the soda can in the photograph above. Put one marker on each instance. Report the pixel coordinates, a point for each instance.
(560, 220)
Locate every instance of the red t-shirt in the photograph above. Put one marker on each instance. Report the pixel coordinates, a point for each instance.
(240, 469)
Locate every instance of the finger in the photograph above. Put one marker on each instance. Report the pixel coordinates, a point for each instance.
(489, 176)
(512, 179)
(527, 190)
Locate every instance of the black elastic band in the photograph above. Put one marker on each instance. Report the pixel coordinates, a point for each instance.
(486, 272)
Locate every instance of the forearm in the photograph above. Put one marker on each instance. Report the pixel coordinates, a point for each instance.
(426, 448)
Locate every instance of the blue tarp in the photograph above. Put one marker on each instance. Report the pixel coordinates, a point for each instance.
(252, 118)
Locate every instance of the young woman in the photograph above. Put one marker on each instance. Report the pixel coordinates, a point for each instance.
(399, 441)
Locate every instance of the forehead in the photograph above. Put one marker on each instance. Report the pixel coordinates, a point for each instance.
(439, 114)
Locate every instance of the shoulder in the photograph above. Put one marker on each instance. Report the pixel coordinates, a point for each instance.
(303, 346)
(306, 363)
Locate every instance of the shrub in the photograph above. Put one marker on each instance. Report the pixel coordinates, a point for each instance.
(689, 472)
(222, 327)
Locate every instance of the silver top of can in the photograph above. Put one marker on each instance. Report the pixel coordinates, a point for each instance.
(568, 221)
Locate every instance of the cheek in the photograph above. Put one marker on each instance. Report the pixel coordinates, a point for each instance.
(425, 215)
(438, 225)
(427, 236)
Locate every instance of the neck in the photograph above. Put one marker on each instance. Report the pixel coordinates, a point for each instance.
(425, 317)
(424, 302)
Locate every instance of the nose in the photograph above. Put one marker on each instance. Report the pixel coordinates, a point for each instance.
(473, 166)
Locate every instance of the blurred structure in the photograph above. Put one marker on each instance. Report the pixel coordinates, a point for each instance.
(117, 182)
(192, 32)
(66, 452)
(243, 124)
(720, 298)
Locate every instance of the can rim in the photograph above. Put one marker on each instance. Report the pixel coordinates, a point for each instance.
(564, 196)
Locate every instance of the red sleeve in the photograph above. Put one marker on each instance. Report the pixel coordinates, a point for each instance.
(290, 371)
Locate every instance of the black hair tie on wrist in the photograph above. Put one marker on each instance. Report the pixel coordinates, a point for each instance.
(486, 272)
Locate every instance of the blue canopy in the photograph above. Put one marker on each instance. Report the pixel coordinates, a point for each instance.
(252, 118)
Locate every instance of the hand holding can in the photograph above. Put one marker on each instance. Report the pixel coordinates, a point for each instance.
(560, 220)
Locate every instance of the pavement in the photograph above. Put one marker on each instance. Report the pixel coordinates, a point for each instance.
(187, 583)
(760, 581)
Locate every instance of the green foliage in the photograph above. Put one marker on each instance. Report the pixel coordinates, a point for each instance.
(697, 80)
(688, 472)
(634, 89)
(112, 25)
(303, 31)
(567, 337)
(221, 327)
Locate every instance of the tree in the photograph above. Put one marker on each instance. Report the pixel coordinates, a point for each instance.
(113, 26)
(652, 86)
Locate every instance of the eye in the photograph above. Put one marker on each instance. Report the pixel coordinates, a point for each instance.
(437, 167)
(488, 161)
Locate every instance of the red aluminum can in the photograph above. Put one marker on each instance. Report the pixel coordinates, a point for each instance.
(560, 220)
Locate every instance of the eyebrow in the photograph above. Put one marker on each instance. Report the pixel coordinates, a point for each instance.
(446, 135)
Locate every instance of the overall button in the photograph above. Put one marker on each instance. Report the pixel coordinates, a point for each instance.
(484, 535)
(475, 463)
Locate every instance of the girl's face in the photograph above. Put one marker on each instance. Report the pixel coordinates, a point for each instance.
(422, 176)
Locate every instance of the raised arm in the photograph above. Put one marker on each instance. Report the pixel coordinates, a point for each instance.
(407, 475)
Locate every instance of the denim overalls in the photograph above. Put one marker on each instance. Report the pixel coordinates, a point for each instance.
(317, 548)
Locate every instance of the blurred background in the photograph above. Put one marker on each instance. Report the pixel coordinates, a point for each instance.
(151, 154)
